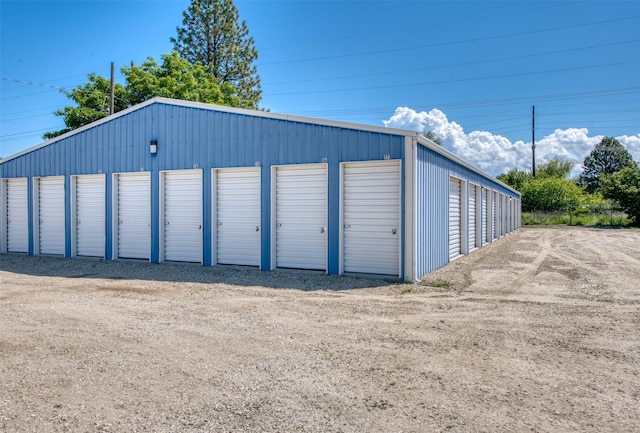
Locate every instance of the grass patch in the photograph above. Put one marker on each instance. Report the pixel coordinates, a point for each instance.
(611, 219)
(441, 284)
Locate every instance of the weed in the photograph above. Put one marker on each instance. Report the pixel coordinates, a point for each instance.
(608, 219)
(372, 404)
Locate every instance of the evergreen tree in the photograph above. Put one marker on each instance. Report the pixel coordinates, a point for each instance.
(213, 35)
(558, 167)
(431, 136)
(607, 157)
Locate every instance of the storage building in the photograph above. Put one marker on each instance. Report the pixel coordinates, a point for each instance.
(171, 180)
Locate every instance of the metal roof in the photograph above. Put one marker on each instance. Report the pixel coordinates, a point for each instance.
(269, 115)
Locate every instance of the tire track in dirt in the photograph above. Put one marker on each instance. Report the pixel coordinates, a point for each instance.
(530, 269)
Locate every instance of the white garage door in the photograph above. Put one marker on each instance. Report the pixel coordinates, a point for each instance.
(503, 213)
(17, 228)
(371, 219)
(455, 218)
(472, 217)
(51, 229)
(496, 215)
(509, 215)
(486, 224)
(238, 216)
(134, 215)
(182, 216)
(301, 217)
(89, 217)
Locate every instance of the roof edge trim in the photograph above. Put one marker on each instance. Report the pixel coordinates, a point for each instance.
(452, 156)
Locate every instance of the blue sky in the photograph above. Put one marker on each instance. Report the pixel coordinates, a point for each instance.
(468, 71)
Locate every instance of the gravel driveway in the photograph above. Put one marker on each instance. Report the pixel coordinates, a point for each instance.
(539, 331)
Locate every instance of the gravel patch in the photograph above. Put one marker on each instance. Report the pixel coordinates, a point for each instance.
(535, 332)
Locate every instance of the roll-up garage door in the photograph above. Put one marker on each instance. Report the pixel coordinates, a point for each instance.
(17, 228)
(238, 216)
(472, 217)
(134, 215)
(51, 229)
(503, 213)
(509, 215)
(371, 219)
(90, 217)
(455, 218)
(495, 215)
(182, 216)
(486, 228)
(301, 217)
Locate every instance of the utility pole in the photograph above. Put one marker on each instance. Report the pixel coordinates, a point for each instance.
(113, 88)
(533, 140)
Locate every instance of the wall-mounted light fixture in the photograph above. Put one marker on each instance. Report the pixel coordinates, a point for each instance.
(153, 146)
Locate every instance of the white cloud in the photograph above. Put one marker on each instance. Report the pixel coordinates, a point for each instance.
(496, 154)
(632, 143)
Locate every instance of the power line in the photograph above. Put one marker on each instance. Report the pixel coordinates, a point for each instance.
(31, 111)
(426, 83)
(34, 83)
(478, 103)
(441, 44)
(23, 95)
(404, 28)
(27, 133)
(454, 65)
(26, 117)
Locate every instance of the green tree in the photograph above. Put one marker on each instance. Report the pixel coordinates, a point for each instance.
(92, 99)
(175, 78)
(551, 194)
(558, 167)
(212, 34)
(515, 178)
(607, 157)
(431, 136)
(624, 187)
(178, 79)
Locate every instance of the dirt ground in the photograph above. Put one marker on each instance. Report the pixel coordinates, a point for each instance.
(539, 331)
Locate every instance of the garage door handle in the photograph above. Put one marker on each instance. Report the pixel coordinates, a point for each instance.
(257, 228)
(279, 224)
(323, 229)
(394, 231)
(347, 226)
(200, 227)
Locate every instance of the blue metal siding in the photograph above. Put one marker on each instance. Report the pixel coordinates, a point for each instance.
(432, 216)
(190, 137)
(193, 137)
